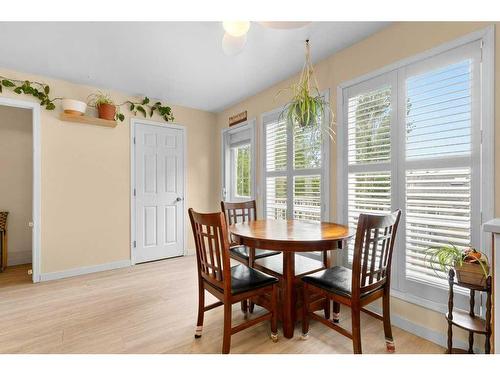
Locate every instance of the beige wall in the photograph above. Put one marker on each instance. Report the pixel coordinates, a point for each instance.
(86, 180)
(16, 176)
(396, 42)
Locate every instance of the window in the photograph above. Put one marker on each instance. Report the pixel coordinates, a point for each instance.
(238, 158)
(241, 178)
(412, 141)
(295, 171)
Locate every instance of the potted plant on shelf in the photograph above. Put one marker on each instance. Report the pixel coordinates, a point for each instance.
(471, 266)
(106, 108)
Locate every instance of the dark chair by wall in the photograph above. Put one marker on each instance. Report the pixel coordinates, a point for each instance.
(368, 280)
(228, 284)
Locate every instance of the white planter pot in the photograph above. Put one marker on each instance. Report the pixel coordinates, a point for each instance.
(74, 107)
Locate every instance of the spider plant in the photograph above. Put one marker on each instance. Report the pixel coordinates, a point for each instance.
(307, 108)
(99, 98)
(442, 258)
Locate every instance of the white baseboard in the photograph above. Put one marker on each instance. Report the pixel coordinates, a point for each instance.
(85, 270)
(425, 333)
(190, 252)
(19, 257)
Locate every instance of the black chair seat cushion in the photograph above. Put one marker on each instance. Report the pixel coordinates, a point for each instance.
(243, 252)
(244, 278)
(336, 280)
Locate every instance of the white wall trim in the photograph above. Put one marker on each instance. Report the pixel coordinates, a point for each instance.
(37, 184)
(85, 270)
(439, 338)
(133, 232)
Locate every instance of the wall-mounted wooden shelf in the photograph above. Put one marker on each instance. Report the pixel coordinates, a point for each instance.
(87, 120)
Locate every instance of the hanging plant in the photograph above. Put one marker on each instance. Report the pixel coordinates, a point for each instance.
(308, 106)
(39, 90)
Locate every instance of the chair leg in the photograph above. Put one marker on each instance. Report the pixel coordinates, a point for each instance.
(386, 312)
(326, 309)
(244, 306)
(226, 340)
(336, 312)
(274, 312)
(305, 312)
(356, 329)
(201, 312)
(251, 307)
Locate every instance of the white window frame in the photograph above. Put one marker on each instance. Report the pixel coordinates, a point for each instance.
(485, 154)
(226, 172)
(290, 173)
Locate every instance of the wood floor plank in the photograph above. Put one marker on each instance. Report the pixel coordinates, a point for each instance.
(151, 308)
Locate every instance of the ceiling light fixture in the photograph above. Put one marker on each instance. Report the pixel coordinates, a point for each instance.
(236, 28)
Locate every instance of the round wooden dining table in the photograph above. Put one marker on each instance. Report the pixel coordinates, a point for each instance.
(289, 237)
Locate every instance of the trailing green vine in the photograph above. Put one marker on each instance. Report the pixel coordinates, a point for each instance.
(39, 90)
(146, 109)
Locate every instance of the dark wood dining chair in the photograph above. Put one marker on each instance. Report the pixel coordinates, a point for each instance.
(368, 280)
(228, 284)
(241, 212)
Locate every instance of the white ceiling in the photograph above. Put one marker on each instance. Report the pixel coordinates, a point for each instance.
(179, 62)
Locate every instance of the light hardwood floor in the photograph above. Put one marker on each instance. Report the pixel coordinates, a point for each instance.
(150, 308)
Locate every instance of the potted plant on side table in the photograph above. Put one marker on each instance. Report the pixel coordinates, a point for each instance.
(471, 266)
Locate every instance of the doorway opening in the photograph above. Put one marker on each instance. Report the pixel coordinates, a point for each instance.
(19, 192)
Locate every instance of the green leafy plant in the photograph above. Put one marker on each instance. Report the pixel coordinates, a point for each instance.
(442, 258)
(307, 106)
(38, 90)
(145, 107)
(98, 98)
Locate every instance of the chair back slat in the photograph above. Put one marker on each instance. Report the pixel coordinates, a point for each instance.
(373, 248)
(212, 248)
(239, 212)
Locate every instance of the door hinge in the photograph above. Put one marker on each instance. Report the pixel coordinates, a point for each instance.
(135, 192)
(481, 132)
(135, 243)
(134, 140)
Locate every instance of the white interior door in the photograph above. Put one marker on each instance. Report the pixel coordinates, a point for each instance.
(159, 192)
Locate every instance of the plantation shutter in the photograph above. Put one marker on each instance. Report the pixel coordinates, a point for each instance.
(369, 111)
(411, 140)
(294, 160)
(440, 101)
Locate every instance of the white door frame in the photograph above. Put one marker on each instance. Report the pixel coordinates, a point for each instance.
(36, 252)
(133, 229)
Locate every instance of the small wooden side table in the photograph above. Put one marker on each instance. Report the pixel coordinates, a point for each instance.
(469, 322)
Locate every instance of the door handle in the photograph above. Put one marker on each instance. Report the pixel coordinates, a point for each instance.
(179, 199)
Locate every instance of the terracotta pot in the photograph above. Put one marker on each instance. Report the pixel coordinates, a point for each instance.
(107, 111)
